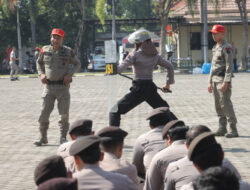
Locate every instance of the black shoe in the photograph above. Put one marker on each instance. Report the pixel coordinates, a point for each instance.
(12, 79)
(41, 142)
(220, 133)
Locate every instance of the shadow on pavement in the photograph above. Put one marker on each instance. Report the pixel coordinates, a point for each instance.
(236, 150)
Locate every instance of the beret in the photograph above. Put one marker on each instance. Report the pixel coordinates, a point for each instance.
(158, 111)
(201, 142)
(115, 133)
(83, 143)
(48, 168)
(85, 124)
(170, 125)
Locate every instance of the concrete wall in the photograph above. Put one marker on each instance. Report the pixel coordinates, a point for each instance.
(233, 33)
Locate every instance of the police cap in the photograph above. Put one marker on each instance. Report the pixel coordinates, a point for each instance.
(201, 143)
(115, 133)
(157, 112)
(83, 143)
(48, 168)
(84, 124)
(171, 124)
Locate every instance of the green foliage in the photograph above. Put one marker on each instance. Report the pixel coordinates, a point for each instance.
(192, 4)
(100, 10)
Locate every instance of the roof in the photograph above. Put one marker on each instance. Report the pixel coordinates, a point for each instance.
(227, 11)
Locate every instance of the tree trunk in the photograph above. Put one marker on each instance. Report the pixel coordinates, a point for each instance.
(33, 34)
(78, 41)
(243, 15)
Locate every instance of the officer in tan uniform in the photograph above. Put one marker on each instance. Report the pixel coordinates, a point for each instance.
(183, 172)
(13, 66)
(113, 152)
(220, 83)
(87, 154)
(174, 134)
(78, 129)
(151, 142)
(56, 64)
(205, 152)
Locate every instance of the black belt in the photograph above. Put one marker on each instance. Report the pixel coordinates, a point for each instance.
(60, 82)
(219, 73)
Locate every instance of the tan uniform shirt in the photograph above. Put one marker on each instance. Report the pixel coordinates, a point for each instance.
(113, 164)
(143, 66)
(12, 57)
(92, 177)
(63, 151)
(56, 64)
(182, 172)
(243, 186)
(222, 63)
(146, 146)
(156, 172)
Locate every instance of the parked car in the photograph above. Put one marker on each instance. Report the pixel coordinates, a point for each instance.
(97, 63)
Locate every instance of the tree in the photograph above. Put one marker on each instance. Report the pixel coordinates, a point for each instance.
(78, 40)
(33, 10)
(12, 4)
(243, 14)
(164, 7)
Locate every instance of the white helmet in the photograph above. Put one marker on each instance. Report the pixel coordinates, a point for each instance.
(139, 36)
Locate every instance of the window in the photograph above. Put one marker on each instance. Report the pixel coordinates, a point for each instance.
(195, 40)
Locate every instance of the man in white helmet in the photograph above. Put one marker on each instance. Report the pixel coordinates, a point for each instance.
(143, 59)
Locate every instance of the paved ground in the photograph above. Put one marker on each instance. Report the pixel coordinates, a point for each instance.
(20, 109)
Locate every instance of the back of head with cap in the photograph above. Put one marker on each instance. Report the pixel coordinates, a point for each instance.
(87, 148)
(49, 168)
(205, 152)
(160, 117)
(175, 130)
(82, 127)
(194, 132)
(116, 136)
(217, 178)
(59, 184)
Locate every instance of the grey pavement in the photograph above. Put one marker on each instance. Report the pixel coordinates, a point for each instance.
(20, 108)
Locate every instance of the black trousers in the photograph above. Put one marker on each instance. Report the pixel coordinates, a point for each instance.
(141, 90)
(235, 65)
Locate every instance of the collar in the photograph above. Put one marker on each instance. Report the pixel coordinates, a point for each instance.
(91, 166)
(179, 142)
(110, 155)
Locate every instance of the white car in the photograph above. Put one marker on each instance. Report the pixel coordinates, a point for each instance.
(97, 63)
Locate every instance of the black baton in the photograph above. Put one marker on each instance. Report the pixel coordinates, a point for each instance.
(170, 91)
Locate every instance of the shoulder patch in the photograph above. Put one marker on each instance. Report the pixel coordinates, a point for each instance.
(41, 51)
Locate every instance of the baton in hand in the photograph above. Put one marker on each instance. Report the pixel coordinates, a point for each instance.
(170, 91)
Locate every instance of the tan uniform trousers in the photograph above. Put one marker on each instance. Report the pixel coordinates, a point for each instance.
(223, 105)
(13, 69)
(62, 95)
